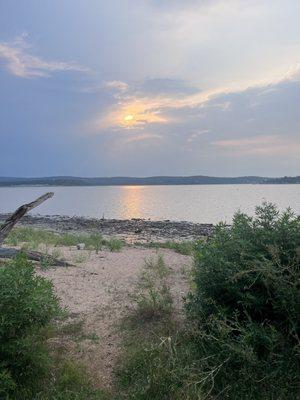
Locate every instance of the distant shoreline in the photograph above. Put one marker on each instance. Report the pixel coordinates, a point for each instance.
(148, 181)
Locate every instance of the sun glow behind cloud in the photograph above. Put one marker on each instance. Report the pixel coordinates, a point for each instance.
(131, 114)
(132, 110)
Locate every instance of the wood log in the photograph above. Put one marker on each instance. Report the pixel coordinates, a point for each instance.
(19, 213)
(34, 255)
(11, 222)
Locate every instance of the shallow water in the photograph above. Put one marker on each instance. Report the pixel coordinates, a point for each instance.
(201, 203)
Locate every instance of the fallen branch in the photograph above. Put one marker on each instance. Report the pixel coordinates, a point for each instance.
(11, 222)
(33, 255)
(19, 213)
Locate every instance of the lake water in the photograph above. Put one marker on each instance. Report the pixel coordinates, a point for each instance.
(202, 203)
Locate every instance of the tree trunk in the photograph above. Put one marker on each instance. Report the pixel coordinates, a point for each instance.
(19, 213)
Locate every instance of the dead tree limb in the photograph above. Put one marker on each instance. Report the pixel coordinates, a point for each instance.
(11, 222)
(19, 213)
(33, 255)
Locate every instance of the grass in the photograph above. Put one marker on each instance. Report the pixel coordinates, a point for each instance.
(152, 296)
(186, 247)
(114, 244)
(67, 378)
(155, 357)
(73, 328)
(158, 363)
(33, 239)
(69, 382)
(80, 258)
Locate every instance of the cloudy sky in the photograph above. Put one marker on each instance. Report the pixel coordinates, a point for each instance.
(149, 87)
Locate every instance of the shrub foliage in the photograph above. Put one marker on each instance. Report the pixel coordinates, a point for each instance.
(241, 336)
(27, 304)
(246, 306)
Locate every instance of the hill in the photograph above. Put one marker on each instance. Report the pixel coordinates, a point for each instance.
(154, 180)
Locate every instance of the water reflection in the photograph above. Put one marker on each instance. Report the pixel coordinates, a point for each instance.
(133, 200)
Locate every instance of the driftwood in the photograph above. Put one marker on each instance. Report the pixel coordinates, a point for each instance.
(19, 213)
(11, 222)
(33, 255)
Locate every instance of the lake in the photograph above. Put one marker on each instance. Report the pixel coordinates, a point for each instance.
(201, 203)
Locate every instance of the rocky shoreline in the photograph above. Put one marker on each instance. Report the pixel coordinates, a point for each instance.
(130, 230)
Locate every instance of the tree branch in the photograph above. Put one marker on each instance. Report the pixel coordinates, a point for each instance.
(19, 213)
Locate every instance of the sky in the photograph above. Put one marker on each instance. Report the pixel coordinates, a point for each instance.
(149, 87)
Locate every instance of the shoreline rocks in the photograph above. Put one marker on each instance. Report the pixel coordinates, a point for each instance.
(130, 230)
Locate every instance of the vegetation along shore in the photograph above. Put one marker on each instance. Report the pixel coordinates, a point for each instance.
(215, 316)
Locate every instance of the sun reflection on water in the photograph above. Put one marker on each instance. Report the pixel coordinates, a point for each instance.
(133, 199)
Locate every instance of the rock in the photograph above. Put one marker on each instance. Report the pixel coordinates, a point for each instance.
(80, 246)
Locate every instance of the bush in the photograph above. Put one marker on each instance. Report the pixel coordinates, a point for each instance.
(246, 307)
(152, 296)
(241, 337)
(27, 304)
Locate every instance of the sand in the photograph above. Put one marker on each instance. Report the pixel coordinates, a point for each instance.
(97, 292)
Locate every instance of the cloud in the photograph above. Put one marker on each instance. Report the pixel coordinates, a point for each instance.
(254, 141)
(118, 85)
(142, 137)
(171, 101)
(206, 130)
(22, 64)
(260, 145)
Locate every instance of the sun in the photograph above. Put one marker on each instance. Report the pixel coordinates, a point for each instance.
(129, 118)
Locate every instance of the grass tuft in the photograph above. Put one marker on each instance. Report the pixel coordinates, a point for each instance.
(114, 244)
(186, 248)
(33, 239)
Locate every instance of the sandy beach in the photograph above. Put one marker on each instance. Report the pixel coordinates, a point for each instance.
(96, 294)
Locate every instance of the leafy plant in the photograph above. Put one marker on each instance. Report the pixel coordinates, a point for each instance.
(27, 304)
(241, 336)
(246, 306)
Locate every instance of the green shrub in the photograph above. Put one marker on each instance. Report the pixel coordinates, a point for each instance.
(246, 306)
(114, 244)
(27, 304)
(152, 296)
(241, 337)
